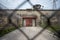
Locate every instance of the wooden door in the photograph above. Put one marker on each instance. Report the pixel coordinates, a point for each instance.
(28, 22)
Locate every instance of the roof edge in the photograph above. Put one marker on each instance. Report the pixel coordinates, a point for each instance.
(30, 10)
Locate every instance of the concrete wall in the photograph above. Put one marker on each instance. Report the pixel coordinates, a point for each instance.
(38, 14)
(31, 12)
(28, 13)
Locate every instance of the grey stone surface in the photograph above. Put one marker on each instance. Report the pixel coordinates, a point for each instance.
(30, 32)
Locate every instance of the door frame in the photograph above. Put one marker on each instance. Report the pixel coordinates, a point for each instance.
(28, 18)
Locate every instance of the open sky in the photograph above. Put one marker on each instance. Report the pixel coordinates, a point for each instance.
(12, 4)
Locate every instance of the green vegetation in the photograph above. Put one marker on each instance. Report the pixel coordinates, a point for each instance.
(56, 26)
(5, 31)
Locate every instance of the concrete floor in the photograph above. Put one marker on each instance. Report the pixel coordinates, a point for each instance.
(30, 32)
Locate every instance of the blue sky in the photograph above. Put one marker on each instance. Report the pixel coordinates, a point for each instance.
(12, 4)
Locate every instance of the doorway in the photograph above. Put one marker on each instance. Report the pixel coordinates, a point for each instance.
(29, 22)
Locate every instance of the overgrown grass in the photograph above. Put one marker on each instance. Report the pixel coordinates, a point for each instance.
(56, 27)
(5, 31)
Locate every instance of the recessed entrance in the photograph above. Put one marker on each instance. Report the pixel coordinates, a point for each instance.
(29, 21)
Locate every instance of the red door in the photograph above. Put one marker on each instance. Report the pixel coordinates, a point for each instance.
(28, 22)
